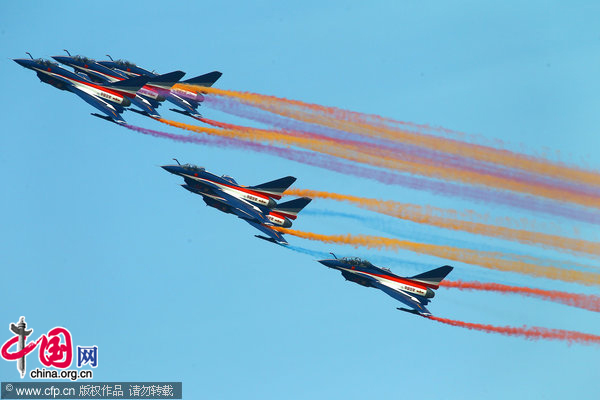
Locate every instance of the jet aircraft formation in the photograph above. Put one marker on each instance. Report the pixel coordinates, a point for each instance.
(112, 86)
(256, 205)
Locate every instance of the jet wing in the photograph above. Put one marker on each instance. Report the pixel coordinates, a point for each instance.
(242, 209)
(408, 299)
(154, 103)
(272, 236)
(190, 106)
(202, 185)
(146, 107)
(113, 111)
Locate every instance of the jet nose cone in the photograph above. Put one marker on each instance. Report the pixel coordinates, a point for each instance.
(22, 62)
(329, 263)
(62, 59)
(174, 169)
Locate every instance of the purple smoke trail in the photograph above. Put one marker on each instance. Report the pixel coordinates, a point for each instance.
(436, 187)
(402, 151)
(240, 109)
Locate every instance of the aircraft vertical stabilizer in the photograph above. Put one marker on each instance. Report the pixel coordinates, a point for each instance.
(433, 278)
(204, 80)
(293, 207)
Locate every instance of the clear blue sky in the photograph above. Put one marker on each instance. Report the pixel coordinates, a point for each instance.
(97, 238)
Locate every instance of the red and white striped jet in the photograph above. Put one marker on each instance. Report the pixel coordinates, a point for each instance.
(111, 99)
(415, 291)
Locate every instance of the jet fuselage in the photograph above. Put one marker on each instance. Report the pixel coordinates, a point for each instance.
(363, 273)
(52, 74)
(205, 183)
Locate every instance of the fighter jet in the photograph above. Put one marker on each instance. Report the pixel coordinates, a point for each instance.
(185, 99)
(415, 291)
(147, 99)
(253, 204)
(110, 98)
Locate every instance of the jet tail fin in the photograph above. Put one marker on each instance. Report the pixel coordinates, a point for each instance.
(291, 208)
(204, 80)
(433, 278)
(166, 81)
(274, 188)
(129, 86)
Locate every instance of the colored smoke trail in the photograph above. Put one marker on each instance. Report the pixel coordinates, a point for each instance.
(481, 172)
(406, 162)
(442, 219)
(312, 253)
(246, 111)
(486, 259)
(436, 187)
(362, 124)
(330, 163)
(588, 302)
(531, 333)
(351, 151)
(207, 140)
(289, 154)
(333, 164)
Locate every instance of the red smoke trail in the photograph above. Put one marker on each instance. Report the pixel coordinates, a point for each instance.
(531, 333)
(588, 302)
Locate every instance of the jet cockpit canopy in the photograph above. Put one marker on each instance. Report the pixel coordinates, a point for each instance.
(194, 168)
(229, 179)
(357, 262)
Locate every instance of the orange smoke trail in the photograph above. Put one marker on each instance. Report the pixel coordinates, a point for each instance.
(330, 147)
(485, 259)
(387, 159)
(588, 302)
(532, 333)
(438, 217)
(225, 125)
(359, 123)
(261, 135)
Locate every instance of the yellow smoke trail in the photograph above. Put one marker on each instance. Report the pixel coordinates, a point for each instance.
(358, 123)
(485, 259)
(431, 216)
(386, 159)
